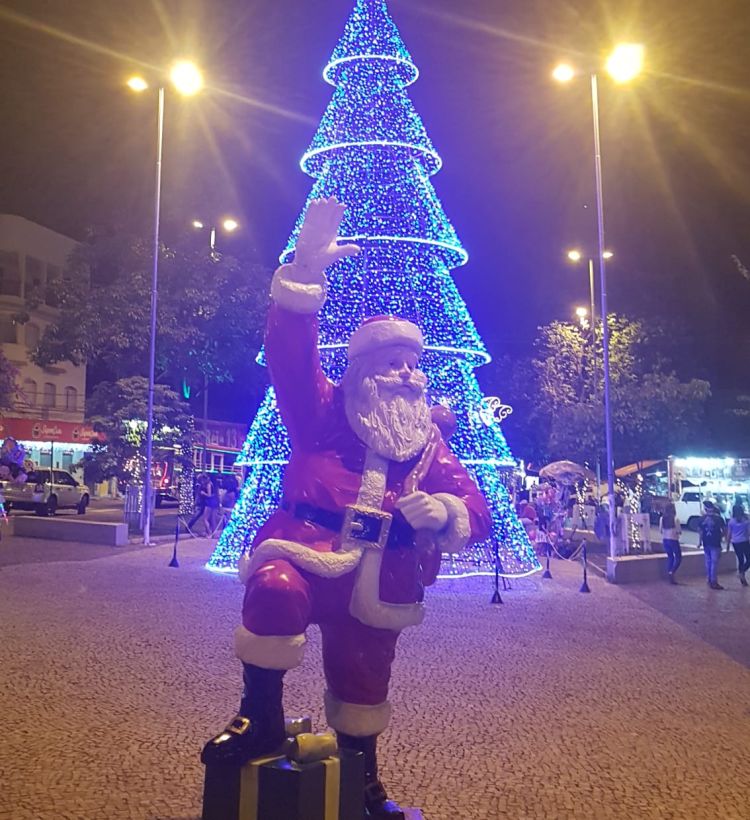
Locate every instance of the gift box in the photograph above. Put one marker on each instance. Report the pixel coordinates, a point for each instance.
(276, 788)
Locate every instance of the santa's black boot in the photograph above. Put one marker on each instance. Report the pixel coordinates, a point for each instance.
(378, 806)
(258, 728)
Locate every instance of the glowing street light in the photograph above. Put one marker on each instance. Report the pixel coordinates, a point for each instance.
(187, 80)
(626, 62)
(228, 225)
(186, 77)
(563, 73)
(136, 83)
(623, 65)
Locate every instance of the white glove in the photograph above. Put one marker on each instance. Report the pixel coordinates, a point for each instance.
(317, 246)
(423, 511)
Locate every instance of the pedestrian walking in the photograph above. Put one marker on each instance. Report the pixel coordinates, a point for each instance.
(200, 501)
(711, 533)
(671, 531)
(210, 515)
(738, 535)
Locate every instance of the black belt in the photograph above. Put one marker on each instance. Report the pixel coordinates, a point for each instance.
(400, 535)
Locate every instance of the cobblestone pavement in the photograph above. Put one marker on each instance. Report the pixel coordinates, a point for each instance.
(626, 703)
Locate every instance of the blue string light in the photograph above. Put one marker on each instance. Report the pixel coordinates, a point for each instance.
(372, 152)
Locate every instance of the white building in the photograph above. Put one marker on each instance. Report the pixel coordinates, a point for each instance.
(48, 413)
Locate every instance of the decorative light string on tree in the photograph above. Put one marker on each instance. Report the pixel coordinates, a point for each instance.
(372, 152)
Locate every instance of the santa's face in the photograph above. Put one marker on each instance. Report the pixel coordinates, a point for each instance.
(385, 401)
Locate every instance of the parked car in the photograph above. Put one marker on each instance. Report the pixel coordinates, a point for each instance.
(45, 492)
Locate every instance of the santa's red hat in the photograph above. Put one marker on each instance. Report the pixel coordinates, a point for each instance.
(381, 331)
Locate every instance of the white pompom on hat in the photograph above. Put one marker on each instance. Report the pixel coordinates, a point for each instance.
(381, 331)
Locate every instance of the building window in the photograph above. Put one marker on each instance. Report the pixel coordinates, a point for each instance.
(29, 392)
(10, 274)
(7, 330)
(71, 399)
(49, 397)
(34, 277)
(32, 335)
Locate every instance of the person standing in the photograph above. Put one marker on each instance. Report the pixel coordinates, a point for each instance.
(711, 534)
(210, 498)
(738, 535)
(671, 531)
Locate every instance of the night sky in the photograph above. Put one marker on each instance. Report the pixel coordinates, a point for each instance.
(76, 148)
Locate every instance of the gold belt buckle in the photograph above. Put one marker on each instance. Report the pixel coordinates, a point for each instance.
(356, 526)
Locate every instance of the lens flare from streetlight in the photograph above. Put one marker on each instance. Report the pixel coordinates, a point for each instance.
(186, 77)
(230, 225)
(563, 73)
(136, 83)
(575, 256)
(197, 224)
(607, 254)
(626, 62)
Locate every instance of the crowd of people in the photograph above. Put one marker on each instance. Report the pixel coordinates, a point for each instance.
(546, 515)
(713, 532)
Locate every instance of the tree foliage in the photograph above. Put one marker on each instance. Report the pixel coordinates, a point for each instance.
(558, 395)
(8, 382)
(118, 410)
(209, 320)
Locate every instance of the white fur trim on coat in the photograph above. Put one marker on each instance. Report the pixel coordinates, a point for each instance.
(323, 564)
(382, 331)
(355, 719)
(268, 651)
(299, 297)
(457, 532)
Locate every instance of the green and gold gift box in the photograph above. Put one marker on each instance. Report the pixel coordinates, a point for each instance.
(277, 788)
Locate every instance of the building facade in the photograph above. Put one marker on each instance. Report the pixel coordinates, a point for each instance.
(47, 413)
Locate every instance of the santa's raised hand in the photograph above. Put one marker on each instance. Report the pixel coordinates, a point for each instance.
(317, 245)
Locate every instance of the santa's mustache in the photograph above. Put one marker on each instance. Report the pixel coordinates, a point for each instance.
(416, 382)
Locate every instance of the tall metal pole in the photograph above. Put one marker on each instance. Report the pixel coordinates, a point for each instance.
(146, 508)
(594, 365)
(205, 423)
(605, 326)
(591, 294)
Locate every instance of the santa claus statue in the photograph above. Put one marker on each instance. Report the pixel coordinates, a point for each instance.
(371, 497)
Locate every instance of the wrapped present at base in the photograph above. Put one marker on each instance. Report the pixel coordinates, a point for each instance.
(322, 783)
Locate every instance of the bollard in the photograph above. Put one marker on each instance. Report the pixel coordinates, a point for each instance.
(584, 559)
(174, 562)
(547, 573)
(496, 599)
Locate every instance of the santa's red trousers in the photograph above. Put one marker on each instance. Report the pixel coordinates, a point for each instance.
(281, 599)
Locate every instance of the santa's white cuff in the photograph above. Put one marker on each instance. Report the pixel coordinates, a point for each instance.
(356, 719)
(299, 297)
(268, 651)
(456, 533)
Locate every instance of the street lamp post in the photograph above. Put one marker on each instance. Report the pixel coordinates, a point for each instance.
(228, 225)
(623, 65)
(187, 80)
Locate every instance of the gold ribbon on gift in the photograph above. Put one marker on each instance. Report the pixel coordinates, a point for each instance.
(333, 787)
(249, 776)
(248, 808)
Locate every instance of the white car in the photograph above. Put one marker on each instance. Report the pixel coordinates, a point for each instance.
(45, 492)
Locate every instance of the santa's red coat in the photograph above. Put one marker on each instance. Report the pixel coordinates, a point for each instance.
(327, 460)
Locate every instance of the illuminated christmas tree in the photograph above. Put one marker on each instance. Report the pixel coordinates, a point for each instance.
(372, 152)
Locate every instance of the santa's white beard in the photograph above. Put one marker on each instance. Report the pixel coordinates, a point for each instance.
(396, 425)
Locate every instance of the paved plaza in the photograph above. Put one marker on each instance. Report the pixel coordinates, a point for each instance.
(625, 703)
